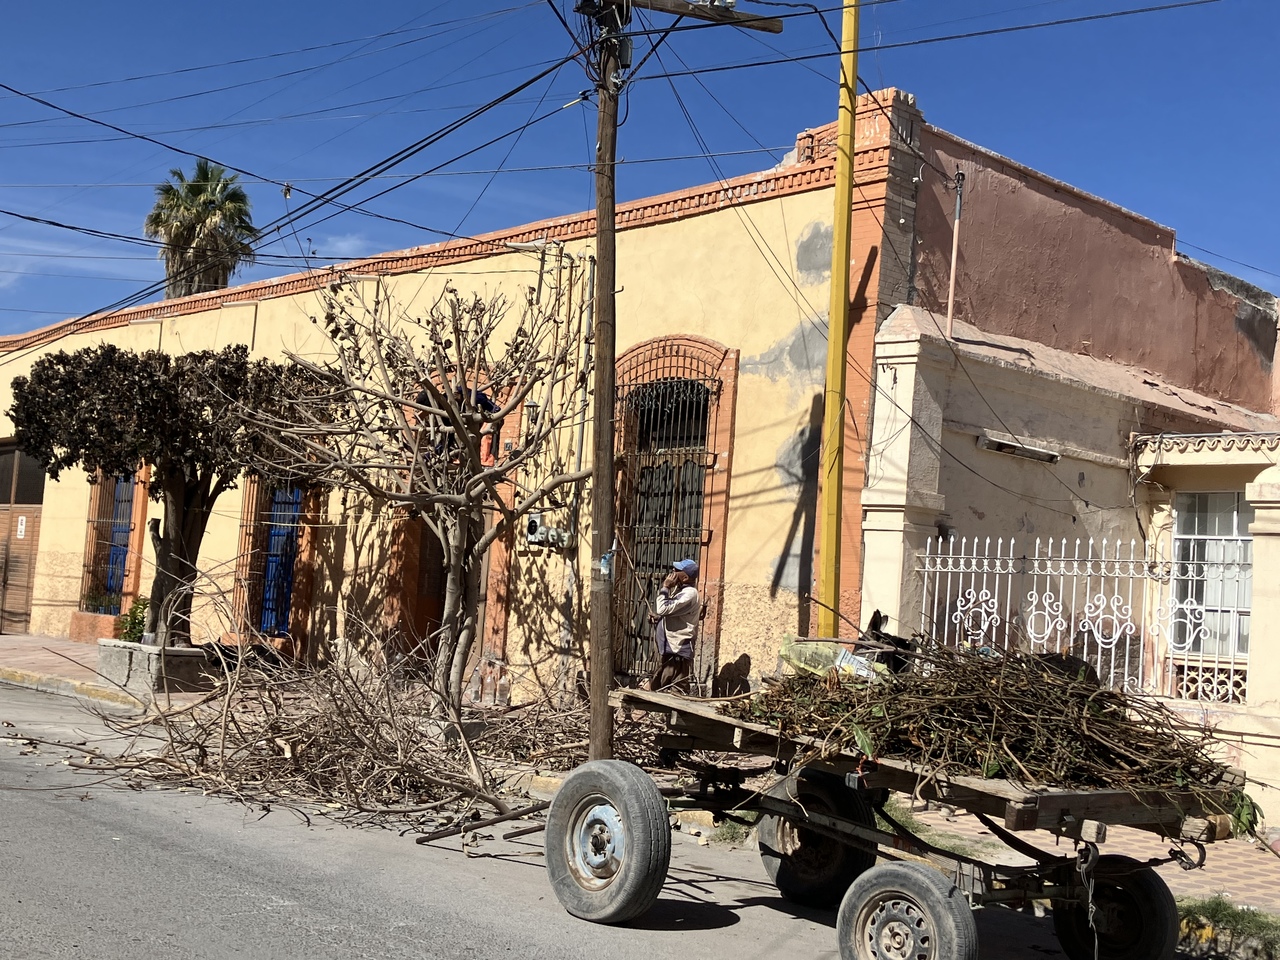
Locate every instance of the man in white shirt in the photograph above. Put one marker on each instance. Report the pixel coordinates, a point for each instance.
(676, 612)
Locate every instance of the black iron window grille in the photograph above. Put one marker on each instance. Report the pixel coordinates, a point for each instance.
(107, 556)
(281, 530)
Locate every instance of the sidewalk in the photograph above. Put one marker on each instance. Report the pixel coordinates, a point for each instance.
(1246, 872)
(57, 665)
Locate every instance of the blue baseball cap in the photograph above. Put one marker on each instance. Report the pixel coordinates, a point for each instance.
(688, 567)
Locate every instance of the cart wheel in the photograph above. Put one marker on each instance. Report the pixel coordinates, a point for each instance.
(608, 842)
(1135, 915)
(905, 911)
(809, 868)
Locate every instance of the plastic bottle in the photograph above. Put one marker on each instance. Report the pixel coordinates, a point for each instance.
(820, 657)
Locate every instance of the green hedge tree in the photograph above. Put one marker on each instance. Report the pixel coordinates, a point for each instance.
(109, 411)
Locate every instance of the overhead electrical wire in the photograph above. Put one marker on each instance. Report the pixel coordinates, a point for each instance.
(353, 182)
(279, 91)
(347, 184)
(297, 72)
(787, 282)
(625, 161)
(992, 32)
(1223, 256)
(178, 71)
(317, 200)
(905, 141)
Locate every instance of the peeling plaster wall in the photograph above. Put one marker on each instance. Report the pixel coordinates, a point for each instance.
(706, 276)
(1042, 261)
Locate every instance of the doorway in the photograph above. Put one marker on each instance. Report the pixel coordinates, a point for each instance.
(21, 500)
(675, 402)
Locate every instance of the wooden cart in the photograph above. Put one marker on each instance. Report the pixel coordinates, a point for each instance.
(822, 828)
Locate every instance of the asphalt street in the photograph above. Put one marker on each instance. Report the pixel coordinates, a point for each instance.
(96, 872)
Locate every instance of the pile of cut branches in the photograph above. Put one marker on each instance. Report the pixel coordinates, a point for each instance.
(548, 734)
(357, 743)
(1014, 717)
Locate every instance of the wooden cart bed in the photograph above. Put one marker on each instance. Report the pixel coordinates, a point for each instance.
(1081, 813)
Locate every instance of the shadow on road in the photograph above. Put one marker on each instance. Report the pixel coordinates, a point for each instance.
(825, 917)
(682, 914)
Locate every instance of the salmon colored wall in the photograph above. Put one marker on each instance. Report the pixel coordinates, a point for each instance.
(1043, 261)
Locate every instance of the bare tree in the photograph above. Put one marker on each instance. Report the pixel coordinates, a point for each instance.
(408, 409)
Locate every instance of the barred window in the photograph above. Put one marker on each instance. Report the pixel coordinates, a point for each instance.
(107, 551)
(271, 527)
(1213, 573)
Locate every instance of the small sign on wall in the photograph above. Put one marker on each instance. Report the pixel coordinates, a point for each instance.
(22, 528)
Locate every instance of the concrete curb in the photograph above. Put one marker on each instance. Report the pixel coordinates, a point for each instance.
(61, 686)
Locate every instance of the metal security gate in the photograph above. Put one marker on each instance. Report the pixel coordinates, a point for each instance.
(1080, 598)
(1155, 625)
(663, 429)
(280, 554)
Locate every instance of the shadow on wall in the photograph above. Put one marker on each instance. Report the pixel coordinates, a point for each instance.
(798, 465)
(734, 678)
(356, 602)
(549, 612)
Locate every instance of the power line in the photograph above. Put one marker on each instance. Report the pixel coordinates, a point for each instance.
(770, 257)
(284, 53)
(277, 92)
(440, 173)
(300, 71)
(995, 31)
(358, 207)
(307, 116)
(72, 276)
(317, 201)
(507, 156)
(1222, 256)
(87, 231)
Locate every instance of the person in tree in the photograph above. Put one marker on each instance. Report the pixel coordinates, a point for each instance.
(676, 613)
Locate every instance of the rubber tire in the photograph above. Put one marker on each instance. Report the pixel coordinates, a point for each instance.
(647, 830)
(1149, 928)
(820, 872)
(954, 932)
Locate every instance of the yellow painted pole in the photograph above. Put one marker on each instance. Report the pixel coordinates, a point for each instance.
(838, 335)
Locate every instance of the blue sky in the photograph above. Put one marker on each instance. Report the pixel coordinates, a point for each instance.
(1170, 114)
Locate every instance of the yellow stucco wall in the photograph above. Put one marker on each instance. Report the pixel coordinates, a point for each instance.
(703, 275)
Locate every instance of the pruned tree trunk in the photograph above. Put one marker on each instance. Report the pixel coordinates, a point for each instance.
(468, 621)
(187, 507)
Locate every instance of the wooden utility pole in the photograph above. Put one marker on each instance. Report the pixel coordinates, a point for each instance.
(611, 47)
(608, 85)
(838, 336)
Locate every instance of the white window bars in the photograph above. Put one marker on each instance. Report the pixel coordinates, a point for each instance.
(1208, 641)
(1140, 623)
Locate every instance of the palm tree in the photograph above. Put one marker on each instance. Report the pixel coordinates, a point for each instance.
(206, 227)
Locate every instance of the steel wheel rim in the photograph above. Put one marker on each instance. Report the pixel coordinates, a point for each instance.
(596, 843)
(893, 926)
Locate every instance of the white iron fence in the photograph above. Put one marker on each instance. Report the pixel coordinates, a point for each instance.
(1178, 628)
